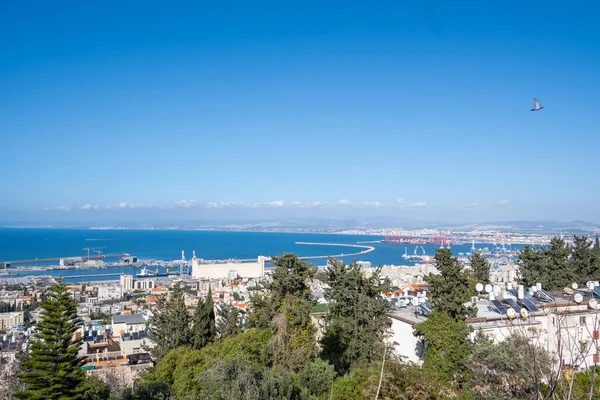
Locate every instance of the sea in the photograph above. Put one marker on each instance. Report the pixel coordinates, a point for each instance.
(167, 245)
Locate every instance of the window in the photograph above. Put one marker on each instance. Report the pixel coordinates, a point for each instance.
(581, 320)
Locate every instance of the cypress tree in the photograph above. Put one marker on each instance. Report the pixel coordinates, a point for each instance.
(53, 368)
(204, 330)
(480, 267)
(170, 327)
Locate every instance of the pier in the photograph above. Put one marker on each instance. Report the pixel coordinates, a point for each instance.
(367, 249)
(56, 259)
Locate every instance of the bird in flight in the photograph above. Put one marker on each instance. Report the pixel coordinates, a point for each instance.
(536, 105)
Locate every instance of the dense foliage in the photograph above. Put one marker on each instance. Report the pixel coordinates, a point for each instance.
(171, 326)
(203, 328)
(452, 288)
(357, 318)
(513, 368)
(558, 265)
(480, 268)
(228, 321)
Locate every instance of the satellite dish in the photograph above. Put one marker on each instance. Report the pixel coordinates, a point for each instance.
(479, 287)
(578, 298)
(511, 313)
(488, 288)
(593, 304)
(524, 313)
(497, 290)
(574, 285)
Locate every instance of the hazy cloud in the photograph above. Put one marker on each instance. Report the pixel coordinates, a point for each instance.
(343, 202)
(185, 203)
(223, 204)
(59, 208)
(399, 200)
(470, 206)
(89, 207)
(315, 204)
(375, 204)
(503, 202)
(274, 203)
(419, 204)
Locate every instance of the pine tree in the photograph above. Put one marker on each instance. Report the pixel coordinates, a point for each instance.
(228, 321)
(533, 266)
(204, 330)
(597, 246)
(170, 326)
(446, 346)
(290, 278)
(560, 273)
(357, 318)
(286, 311)
(451, 288)
(583, 260)
(480, 267)
(53, 368)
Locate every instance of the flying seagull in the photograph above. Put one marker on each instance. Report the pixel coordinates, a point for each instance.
(536, 105)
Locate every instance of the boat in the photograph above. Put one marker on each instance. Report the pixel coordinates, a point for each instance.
(145, 273)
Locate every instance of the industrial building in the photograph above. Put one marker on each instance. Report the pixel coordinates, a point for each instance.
(228, 269)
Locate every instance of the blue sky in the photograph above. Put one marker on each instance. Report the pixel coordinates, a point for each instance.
(275, 109)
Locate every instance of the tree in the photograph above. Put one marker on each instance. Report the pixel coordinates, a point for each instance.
(290, 278)
(228, 321)
(204, 330)
(170, 326)
(53, 369)
(480, 267)
(446, 345)
(583, 260)
(597, 246)
(513, 368)
(532, 266)
(549, 265)
(357, 318)
(450, 289)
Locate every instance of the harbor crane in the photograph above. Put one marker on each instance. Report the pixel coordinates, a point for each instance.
(96, 249)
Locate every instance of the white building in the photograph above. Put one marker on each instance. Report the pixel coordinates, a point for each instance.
(567, 329)
(127, 282)
(110, 292)
(224, 270)
(8, 320)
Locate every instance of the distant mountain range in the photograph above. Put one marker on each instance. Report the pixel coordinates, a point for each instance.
(325, 224)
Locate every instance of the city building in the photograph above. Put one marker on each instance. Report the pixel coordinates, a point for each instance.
(128, 323)
(10, 319)
(565, 325)
(126, 281)
(110, 292)
(226, 270)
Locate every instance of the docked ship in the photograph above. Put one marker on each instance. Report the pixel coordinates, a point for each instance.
(146, 273)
